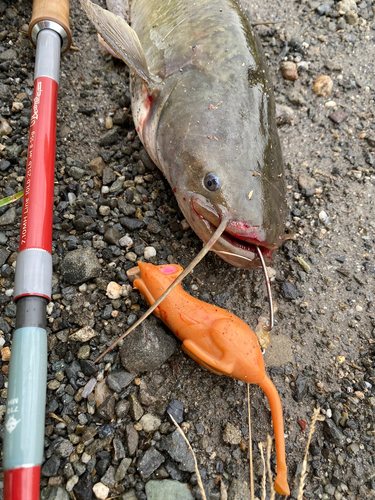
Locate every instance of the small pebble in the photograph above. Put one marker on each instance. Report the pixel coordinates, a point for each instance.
(5, 354)
(83, 335)
(149, 252)
(101, 491)
(71, 483)
(131, 256)
(113, 290)
(323, 217)
(17, 106)
(323, 85)
(232, 434)
(89, 387)
(126, 241)
(289, 70)
(84, 352)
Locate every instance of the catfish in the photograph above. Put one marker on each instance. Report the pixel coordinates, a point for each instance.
(204, 109)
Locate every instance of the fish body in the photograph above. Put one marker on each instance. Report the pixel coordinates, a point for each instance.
(217, 339)
(203, 106)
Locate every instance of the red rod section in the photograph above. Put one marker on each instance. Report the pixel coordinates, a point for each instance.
(22, 483)
(37, 214)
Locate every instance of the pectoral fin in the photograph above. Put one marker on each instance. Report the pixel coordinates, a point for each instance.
(122, 39)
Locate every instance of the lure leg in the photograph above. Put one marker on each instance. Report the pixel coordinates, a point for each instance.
(217, 364)
(141, 285)
(281, 483)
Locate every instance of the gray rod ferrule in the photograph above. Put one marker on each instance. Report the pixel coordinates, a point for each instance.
(47, 59)
(35, 279)
(51, 25)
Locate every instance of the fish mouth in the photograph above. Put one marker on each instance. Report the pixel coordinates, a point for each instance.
(237, 244)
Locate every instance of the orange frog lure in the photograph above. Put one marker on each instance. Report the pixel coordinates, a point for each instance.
(217, 340)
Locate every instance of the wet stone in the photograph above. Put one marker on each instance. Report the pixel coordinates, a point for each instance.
(119, 449)
(83, 489)
(289, 290)
(176, 409)
(122, 469)
(106, 410)
(102, 466)
(105, 430)
(150, 423)
(97, 445)
(118, 381)
(84, 352)
(300, 388)
(307, 184)
(109, 138)
(4, 254)
(8, 55)
(80, 265)
(54, 493)
(238, 490)
(131, 224)
(122, 408)
(51, 466)
(126, 208)
(85, 110)
(83, 222)
(100, 490)
(97, 165)
(178, 450)
(88, 367)
(173, 471)
(9, 217)
(232, 434)
(147, 348)
(77, 173)
(63, 448)
(131, 439)
(338, 116)
(150, 461)
(136, 410)
(109, 477)
(167, 490)
(333, 433)
(112, 236)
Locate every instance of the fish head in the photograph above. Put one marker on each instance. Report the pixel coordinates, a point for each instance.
(222, 157)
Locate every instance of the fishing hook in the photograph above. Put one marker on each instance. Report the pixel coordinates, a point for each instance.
(268, 285)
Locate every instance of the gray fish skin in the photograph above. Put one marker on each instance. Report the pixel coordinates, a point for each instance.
(209, 109)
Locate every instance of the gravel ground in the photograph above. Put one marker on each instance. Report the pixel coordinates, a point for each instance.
(107, 434)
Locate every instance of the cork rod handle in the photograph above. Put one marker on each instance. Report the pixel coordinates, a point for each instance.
(51, 10)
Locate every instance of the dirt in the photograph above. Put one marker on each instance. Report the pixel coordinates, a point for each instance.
(323, 341)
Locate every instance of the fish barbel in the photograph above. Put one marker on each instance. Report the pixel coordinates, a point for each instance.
(203, 107)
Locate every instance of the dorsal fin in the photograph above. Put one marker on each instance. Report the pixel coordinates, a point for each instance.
(122, 39)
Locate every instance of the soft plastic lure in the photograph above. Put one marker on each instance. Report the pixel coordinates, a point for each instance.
(217, 340)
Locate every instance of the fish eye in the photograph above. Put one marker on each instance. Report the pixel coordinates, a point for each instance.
(212, 182)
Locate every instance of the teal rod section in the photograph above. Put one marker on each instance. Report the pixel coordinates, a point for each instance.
(25, 414)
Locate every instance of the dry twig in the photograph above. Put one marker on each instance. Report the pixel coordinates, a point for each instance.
(269, 449)
(250, 445)
(199, 479)
(260, 446)
(304, 465)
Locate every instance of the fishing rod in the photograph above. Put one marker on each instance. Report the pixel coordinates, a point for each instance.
(25, 413)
